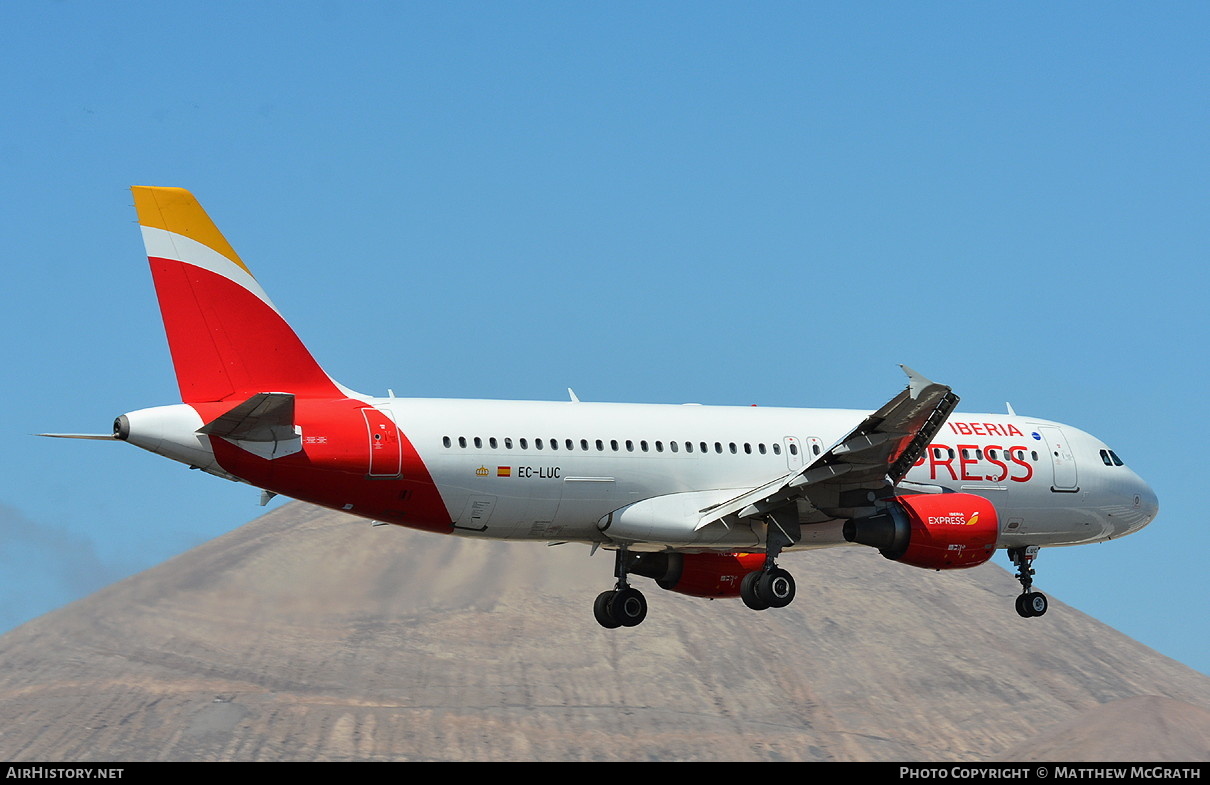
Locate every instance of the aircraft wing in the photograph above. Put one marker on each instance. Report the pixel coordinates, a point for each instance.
(861, 467)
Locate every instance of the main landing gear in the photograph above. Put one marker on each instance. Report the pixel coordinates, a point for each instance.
(768, 587)
(624, 605)
(773, 587)
(1029, 603)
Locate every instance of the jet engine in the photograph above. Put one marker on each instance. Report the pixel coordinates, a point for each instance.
(945, 531)
(697, 574)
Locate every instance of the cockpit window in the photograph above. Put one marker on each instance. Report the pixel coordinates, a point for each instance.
(1116, 460)
(1110, 458)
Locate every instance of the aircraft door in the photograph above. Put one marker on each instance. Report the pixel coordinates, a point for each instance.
(793, 452)
(1062, 458)
(386, 452)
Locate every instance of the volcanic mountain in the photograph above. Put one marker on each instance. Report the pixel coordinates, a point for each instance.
(310, 635)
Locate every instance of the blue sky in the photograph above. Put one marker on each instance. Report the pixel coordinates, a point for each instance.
(656, 202)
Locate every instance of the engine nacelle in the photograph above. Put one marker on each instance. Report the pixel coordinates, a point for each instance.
(943, 531)
(697, 574)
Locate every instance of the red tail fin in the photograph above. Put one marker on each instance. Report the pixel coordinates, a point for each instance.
(227, 339)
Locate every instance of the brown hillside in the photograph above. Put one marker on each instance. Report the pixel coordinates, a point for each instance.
(309, 635)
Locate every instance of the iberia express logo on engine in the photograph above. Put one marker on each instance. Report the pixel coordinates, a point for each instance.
(954, 519)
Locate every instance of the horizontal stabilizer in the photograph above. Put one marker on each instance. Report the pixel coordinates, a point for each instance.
(263, 425)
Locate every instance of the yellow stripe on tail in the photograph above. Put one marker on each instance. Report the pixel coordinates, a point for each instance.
(176, 210)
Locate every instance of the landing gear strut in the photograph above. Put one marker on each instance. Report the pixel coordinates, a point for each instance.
(771, 586)
(1029, 603)
(624, 605)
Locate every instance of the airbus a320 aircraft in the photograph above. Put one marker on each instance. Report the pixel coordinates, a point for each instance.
(702, 499)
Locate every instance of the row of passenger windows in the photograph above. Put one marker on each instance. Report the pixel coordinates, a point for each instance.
(1109, 457)
(940, 453)
(613, 445)
(629, 445)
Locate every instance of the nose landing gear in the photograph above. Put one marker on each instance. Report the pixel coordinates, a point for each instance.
(1029, 603)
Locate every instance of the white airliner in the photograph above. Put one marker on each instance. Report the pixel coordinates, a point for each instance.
(702, 499)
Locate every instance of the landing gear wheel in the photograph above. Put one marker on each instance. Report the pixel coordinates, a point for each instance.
(623, 606)
(600, 609)
(776, 588)
(628, 607)
(749, 591)
(1032, 604)
(1029, 603)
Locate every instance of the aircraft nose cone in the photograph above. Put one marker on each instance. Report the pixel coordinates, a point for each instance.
(1140, 505)
(1146, 502)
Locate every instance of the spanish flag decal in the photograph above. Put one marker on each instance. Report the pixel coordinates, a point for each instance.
(504, 471)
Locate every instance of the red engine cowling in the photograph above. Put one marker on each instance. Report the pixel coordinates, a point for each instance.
(697, 574)
(943, 531)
